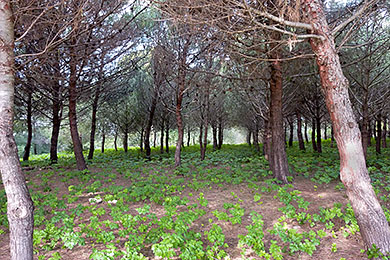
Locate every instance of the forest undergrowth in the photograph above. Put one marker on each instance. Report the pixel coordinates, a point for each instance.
(225, 207)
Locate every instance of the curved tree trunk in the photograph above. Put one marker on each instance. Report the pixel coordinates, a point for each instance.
(374, 227)
(77, 146)
(27, 148)
(115, 141)
(19, 204)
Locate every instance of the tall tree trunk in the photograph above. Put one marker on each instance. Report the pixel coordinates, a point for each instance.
(93, 123)
(369, 133)
(374, 227)
(384, 132)
(154, 138)
(115, 141)
(181, 82)
(299, 131)
(278, 148)
(27, 148)
(249, 137)
(306, 136)
(215, 140)
(378, 134)
(150, 121)
(125, 141)
(256, 138)
(77, 146)
(313, 134)
(162, 137)
(103, 140)
(188, 136)
(319, 143)
(167, 135)
(325, 131)
(142, 137)
(19, 204)
(220, 133)
(291, 136)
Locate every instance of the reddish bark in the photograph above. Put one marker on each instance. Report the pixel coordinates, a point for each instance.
(77, 146)
(373, 225)
(279, 165)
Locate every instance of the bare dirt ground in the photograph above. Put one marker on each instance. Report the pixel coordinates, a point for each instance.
(321, 196)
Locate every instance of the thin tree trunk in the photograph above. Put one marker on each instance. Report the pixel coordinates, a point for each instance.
(162, 137)
(115, 141)
(374, 227)
(19, 204)
(319, 143)
(331, 136)
(188, 136)
(378, 134)
(325, 131)
(384, 132)
(93, 123)
(249, 137)
(313, 135)
(220, 133)
(150, 122)
(167, 136)
(77, 146)
(267, 141)
(142, 138)
(256, 139)
(27, 148)
(154, 138)
(215, 140)
(306, 136)
(179, 100)
(291, 137)
(103, 141)
(125, 141)
(57, 113)
(299, 132)
(278, 147)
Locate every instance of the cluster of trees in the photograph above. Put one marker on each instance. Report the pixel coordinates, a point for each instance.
(196, 65)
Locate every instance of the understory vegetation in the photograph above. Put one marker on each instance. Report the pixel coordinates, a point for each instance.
(225, 207)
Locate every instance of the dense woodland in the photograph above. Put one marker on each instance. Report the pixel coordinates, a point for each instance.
(156, 86)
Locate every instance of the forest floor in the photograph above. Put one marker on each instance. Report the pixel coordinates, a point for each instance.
(226, 207)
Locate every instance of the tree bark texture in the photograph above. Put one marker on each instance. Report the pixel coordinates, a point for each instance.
(93, 122)
(373, 225)
(27, 148)
(278, 149)
(306, 136)
(56, 120)
(181, 82)
(77, 146)
(19, 204)
(150, 122)
(125, 141)
(299, 131)
(162, 137)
